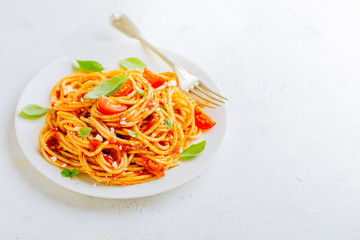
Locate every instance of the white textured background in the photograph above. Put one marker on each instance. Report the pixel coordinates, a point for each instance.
(289, 167)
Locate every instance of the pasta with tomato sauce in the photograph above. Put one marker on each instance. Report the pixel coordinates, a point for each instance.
(135, 133)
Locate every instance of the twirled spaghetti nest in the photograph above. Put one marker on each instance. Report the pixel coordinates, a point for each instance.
(109, 154)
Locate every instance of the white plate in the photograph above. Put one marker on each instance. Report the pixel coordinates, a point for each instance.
(108, 54)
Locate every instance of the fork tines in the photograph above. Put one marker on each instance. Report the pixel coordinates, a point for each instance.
(200, 91)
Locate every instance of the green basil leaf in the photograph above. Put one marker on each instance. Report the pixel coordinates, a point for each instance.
(107, 87)
(133, 134)
(140, 91)
(193, 150)
(33, 110)
(90, 65)
(162, 107)
(74, 172)
(168, 123)
(84, 132)
(66, 172)
(132, 63)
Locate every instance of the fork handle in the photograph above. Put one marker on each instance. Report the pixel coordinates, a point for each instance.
(157, 52)
(124, 25)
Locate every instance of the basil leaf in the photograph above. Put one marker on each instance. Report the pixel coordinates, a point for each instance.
(133, 134)
(74, 172)
(90, 65)
(33, 110)
(193, 150)
(66, 172)
(162, 108)
(140, 91)
(84, 132)
(132, 63)
(168, 123)
(107, 87)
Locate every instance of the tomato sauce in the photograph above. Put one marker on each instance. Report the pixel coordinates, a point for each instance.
(151, 103)
(52, 142)
(143, 172)
(111, 155)
(94, 144)
(57, 94)
(153, 167)
(152, 121)
(124, 147)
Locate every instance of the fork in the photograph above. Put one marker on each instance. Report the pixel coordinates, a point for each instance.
(189, 83)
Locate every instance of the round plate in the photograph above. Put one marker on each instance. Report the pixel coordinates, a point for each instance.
(109, 54)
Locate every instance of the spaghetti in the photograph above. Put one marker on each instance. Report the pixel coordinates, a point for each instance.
(131, 140)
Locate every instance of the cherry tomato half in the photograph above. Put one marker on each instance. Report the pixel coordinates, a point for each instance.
(108, 108)
(124, 90)
(156, 80)
(202, 120)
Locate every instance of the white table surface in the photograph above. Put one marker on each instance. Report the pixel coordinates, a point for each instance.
(289, 167)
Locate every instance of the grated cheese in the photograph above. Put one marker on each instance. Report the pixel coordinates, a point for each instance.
(112, 130)
(54, 158)
(64, 165)
(67, 89)
(115, 164)
(99, 137)
(172, 83)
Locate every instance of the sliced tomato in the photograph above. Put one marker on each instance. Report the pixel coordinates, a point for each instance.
(202, 120)
(124, 90)
(156, 80)
(107, 108)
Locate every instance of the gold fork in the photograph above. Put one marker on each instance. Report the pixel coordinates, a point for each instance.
(189, 83)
